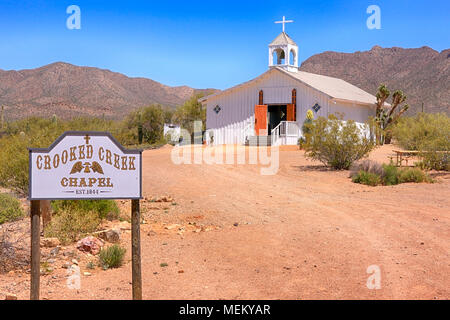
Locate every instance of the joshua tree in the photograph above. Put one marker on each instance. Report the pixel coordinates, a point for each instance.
(385, 118)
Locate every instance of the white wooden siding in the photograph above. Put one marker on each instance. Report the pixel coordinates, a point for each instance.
(237, 106)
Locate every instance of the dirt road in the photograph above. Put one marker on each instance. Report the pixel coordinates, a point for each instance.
(304, 233)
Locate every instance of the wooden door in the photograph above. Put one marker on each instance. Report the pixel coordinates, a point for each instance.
(290, 112)
(261, 120)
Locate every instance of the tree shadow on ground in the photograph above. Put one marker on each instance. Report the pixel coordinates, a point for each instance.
(439, 174)
(320, 168)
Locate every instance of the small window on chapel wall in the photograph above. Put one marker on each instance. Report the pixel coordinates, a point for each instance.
(261, 97)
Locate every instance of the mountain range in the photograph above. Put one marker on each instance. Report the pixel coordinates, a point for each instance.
(66, 90)
(423, 74)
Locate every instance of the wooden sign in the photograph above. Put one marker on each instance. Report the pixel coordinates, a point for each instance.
(85, 165)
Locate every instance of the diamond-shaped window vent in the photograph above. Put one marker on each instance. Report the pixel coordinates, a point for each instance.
(217, 109)
(316, 107)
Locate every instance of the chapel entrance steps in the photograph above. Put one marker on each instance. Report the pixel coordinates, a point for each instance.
(259, 141)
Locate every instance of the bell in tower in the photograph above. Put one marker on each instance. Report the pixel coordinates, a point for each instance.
(283, 51)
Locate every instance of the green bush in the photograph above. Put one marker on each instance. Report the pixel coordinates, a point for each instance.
(17, 136)
(69, 225)
(436, 154)
(10, 209)
(112, 257)
(412, 175)
(412, 133)
(336, 143)
(192, 110)
(390, 175)
(14, 161)
(367, 166)
(370, 173)
(306, 127)
(40, 133)
(367, 178)
(147, 124)
(105, 209)
(429, 134)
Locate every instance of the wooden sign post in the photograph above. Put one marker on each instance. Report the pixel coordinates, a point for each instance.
(89, 166)
(35, 249)
(136, 249)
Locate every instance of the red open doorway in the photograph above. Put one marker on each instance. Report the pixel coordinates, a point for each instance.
(261, 120)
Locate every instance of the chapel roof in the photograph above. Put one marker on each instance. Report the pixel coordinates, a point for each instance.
(334, 88)
(283, 39)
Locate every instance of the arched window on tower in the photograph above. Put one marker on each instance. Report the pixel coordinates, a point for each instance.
(293, 57)
(279, 57)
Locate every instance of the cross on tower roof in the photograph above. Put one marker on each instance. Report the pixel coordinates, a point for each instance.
(284, 21)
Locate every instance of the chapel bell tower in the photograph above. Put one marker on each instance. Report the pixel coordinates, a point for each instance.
(283, 51)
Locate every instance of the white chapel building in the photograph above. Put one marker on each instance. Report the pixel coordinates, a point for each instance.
(273, 106)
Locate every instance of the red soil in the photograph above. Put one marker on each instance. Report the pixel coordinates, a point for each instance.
(304, 233)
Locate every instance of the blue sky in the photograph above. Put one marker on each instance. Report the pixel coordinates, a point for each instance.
(206, 43)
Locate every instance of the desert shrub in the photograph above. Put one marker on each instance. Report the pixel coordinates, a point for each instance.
(367, 166)
(412, 175)
(10, 208)
(13, 252)
(435, 160)
(435, 154)
(192, 110)
(301, 142)
(306, 127)
(69, 225)
(428, 133)
(14, 160)
(371, 173)
(336, 143)
(367, 178)
(390, 175)
(112, 257)
(39, 133)
(146, 124)
(105, 209)
(412, 133)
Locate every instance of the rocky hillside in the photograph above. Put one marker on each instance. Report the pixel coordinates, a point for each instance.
(67, 90)
(422, 73)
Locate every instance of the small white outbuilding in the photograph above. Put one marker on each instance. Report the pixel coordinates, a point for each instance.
(173, 131)
(274, 105)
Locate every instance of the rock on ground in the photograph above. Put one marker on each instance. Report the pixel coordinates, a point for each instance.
(90, 245)
(50, 242)
(111, 235)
